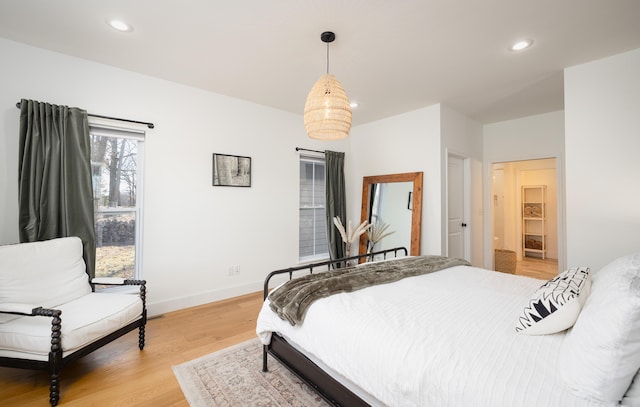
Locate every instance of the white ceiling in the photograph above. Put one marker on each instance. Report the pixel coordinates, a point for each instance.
(390, 56)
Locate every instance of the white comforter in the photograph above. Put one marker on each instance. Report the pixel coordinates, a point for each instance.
(441, 339)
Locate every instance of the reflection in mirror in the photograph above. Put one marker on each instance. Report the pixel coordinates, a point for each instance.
(394, 200)
(390, 205)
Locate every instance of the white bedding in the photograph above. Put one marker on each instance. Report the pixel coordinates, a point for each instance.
(441, 339)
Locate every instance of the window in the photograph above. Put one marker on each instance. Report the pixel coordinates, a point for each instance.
(116, 166)
(313, 224)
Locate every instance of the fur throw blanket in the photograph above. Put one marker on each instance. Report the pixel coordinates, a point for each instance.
(294, 297)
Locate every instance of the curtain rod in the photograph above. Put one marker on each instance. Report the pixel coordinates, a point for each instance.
(148, 124)
(313, 151)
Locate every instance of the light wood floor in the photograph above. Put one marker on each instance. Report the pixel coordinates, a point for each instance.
(119, 374)
(537, 268)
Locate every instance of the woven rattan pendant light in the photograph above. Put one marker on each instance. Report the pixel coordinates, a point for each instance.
(327, 113)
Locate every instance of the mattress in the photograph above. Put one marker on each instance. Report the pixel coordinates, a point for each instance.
(441, 339)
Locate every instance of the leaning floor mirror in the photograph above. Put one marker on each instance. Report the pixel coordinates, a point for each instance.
(394, 200)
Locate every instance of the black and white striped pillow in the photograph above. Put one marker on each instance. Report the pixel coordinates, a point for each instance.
(556, 305)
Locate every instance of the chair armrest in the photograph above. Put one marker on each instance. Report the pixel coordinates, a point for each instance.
(27, 309)
(17, 308)
(56, 323)
(116, 281)
(135, 282)
(49, 312)
(123, 282)
(108, 280)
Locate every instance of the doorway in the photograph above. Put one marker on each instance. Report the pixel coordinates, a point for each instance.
(524, 204)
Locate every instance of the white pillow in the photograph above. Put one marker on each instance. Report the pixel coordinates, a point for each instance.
(601, 354)
(556, 305)
(632, 396)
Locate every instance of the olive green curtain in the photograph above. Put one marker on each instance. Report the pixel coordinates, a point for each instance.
(335, 204)
(54, 182)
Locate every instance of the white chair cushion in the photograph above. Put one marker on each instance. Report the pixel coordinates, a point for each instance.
(46, 274)
(84, 320)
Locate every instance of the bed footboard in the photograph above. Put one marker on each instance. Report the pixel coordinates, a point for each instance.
(328, 264)
(322, 382)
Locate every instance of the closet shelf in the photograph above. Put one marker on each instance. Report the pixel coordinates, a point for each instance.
(534, 220)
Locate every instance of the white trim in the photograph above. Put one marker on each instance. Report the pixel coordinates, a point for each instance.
(310, 158)
(466, 162)
(139, 209)
(119, 133)
(304, 158)
(108, 126)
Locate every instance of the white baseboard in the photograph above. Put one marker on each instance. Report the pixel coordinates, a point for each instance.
(174, 304)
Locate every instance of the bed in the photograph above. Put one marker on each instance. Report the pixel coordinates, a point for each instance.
(466, 336)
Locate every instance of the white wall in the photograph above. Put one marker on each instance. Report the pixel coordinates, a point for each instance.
(533, 137)
(539, 136)
(602, 139)
(420, 141)
(462, 136)
(193, 232)
(408, 142)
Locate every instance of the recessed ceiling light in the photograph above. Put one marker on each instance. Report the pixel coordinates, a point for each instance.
(520, 45)
(120, 25)
(354, 105)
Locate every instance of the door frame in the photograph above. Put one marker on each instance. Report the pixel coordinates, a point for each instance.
(488, 212)
(466, 160)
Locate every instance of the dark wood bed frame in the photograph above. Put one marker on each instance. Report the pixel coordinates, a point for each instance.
(322, 382)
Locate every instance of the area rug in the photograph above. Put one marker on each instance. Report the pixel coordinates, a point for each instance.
(233, 377)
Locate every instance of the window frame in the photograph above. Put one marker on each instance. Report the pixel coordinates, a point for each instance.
(100, 128)
(317, 256)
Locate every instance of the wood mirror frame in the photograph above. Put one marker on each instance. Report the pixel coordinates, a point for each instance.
(416, 216)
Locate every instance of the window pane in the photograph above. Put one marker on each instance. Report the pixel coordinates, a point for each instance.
(115, 245)
(319, 185)
(306, 246)
(306, 184)
(114, 165)
(321, 244)
(312, 232)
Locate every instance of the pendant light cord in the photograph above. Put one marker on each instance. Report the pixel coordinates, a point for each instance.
(327, 58)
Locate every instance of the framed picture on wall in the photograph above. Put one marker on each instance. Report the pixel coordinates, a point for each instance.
(231, 170)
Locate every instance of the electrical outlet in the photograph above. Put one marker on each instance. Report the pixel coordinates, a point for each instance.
(234, 270)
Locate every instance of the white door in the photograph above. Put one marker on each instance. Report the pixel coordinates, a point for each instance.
(455, 207)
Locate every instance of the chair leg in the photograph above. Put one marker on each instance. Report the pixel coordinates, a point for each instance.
(54, 389)
(141, 337)
(55, 358)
